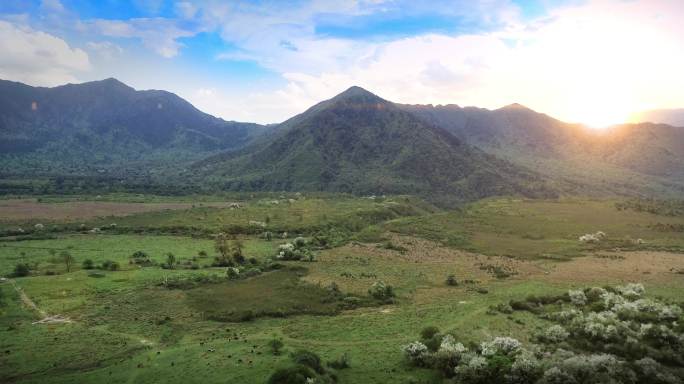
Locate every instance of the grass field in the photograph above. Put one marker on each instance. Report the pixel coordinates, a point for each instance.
(124, 326)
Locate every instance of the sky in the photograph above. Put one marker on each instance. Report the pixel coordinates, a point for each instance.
(593, 62)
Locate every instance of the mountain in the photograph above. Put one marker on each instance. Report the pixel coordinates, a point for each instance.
(357, 142)
(625, 159)
(102, 125)
(674, 117)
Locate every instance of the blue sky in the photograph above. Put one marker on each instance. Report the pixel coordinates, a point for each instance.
(265, 61)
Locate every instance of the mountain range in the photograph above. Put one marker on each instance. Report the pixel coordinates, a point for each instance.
(101, 125)
(356, 142)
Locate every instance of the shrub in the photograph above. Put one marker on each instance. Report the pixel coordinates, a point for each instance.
(21, 270)
(276, 346)
(500, 345)
(309, 359)
(555, 334)
(298, 374)
(577, 297)
(451, 281)
(88, 264)
(341, 362)
(110, 265)
(233, 273)
(416, 353)
(380, 291)
(428, 332)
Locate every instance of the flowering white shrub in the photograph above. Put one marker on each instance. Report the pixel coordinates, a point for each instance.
(472, 367)
(285, 251)
(632, 290)
(416, 353)
(501, 345)
(449, 345)
(525, 369)
(556, 334)
(589, 238)
(577, 297)
(669, 312)
(592, 237)
(448, 355)
(565, 316)
(653, 371)
(611, 299)
(39, 227)
(595, 293)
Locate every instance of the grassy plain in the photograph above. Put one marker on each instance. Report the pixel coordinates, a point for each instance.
(126, 328)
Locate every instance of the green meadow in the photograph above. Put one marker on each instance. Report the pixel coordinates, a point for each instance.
(193, 321)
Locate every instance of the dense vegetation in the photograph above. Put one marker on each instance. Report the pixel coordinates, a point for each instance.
(598, 335)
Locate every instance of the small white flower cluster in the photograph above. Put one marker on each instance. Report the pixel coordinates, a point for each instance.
(296, 250)
(500, 345)
(577, 297)
(254, 223)
(285, 250)
(592, 237)
(416, 352)
(39, 227)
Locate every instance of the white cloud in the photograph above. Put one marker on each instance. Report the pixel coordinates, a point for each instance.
(105, 49)
(52, 6)
(185, 9)
(38, 58)
(594, 63)
(157, 34)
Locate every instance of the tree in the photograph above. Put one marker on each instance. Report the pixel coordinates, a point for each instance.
(237, 251)
(67, 259)
(222, 247)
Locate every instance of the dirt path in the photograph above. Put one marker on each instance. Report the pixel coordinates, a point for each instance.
(44, 317)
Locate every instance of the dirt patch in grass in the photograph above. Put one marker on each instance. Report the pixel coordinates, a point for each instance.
(274, 294)
(31, 209)
(619, 267)
(420, 267)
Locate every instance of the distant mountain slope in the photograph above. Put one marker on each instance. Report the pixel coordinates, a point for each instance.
(674, 117)
(627, 159)
(358, 142)
(104, 124)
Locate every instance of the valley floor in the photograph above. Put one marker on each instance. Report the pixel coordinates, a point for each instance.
(130, 325)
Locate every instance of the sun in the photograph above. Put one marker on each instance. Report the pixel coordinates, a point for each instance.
(604, 116)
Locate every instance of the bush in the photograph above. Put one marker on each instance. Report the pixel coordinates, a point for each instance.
(21, 270)
(451, 281)
(88, 264)
(380, 291)
(109, 265)
(276, 346)
(341, 362)
(309, 359)
(428, 332)
(416, 353)
(298, 374)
